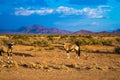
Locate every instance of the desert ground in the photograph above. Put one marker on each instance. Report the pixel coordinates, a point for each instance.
(96, 62)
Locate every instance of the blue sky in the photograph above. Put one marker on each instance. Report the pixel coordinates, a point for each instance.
(72, 15)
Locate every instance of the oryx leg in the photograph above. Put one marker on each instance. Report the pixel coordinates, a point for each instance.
(77, 52)
(1, 58)
(1, 54)
(10, 56)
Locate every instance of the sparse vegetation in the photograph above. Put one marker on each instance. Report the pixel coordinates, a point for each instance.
(117, 49)
(42, 43)
(46, 40)
(37, 53)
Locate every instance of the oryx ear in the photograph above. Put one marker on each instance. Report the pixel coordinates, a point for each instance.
(13, 43)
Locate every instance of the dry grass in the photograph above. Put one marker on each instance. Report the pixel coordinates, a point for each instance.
(51, 62)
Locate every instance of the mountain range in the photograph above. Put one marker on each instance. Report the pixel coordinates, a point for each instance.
(39, 29)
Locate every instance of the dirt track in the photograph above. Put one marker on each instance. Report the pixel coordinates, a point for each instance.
(53, 65)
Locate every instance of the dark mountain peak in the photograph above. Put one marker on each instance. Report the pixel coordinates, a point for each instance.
(36, 27)
(83, 32)
(39, 29)
(31, 29)
(58, 31)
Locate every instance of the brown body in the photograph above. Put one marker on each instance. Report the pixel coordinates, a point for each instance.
(72, 47)
(1, 51)
(9, 52)
(1, 54)
(10, 48)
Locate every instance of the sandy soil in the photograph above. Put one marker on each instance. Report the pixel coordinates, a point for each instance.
(29, 63)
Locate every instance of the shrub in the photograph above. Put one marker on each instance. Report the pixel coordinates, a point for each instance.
(23, 37)
(73, 39)
(3, 41)
(50, 38)
(118, 39)
(107, 42)
(63, 37)
(42, 43)
(117, 49)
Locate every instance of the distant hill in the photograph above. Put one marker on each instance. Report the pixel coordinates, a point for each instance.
(116, 31)
(83, 32)
(103, 32)
(35, 29)
(39, 29)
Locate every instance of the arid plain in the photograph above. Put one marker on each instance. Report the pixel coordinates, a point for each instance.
(42, 57)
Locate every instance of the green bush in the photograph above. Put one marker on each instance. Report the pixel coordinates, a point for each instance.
(23, 37)
(42, 43)
(107, 42)
(5, 41)
(118, 39)
(50, 38)
(117, 49)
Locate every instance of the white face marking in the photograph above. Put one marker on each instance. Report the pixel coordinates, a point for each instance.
(67, 49)
(68, 55)
(77, 48)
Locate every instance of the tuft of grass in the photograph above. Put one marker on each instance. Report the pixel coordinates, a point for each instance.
(63, 67)
(15, 64)
(117, 49)
(31, 49)
(11, 64)
(50, 48)
(74, 66)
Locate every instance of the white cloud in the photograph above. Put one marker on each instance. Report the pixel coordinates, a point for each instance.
(92, 13)
(24, 12)
(96, 12)
(63, 10)
(44, 11)
(27, 12)
(68, 11)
